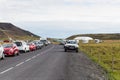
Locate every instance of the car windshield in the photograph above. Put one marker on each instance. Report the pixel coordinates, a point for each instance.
(71, 42)
(18, 43)
(30, 43)
(7, 45)
(35, 42)
(43, 41)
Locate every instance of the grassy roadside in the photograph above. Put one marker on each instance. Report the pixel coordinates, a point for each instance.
(106, 54)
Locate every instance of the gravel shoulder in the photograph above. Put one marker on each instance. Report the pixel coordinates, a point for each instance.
(80, 67)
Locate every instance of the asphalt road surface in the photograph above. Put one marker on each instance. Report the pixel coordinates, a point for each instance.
(50, 63)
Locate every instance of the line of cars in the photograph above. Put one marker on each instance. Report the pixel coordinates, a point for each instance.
(16, 47)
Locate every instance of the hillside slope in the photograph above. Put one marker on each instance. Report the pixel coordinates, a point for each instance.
(10, 30)
(115, 36)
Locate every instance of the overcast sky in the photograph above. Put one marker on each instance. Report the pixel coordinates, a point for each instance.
(62, 18)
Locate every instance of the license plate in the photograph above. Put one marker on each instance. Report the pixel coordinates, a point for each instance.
(72, 47)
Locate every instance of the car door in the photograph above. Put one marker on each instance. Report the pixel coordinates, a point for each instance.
(26, 46)
(1, 51)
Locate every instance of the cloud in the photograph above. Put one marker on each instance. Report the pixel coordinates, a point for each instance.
(24, 9)
(93, 2)
(75, 16)
(64, 29)
(52, 10)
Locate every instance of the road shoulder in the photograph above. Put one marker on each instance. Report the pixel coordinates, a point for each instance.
(82, 68)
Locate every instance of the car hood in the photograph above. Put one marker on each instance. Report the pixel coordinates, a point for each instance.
(72, 45)
(7, 49)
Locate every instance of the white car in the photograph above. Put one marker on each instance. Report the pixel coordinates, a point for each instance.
(2, 56)
(71, 45)
(22, 45)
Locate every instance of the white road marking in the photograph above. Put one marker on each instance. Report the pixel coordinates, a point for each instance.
(25, 61)
(28, 60)
(34, 57)
(47, 50)
(42, 53)
(6, 70)
(20, 64)
(37, 54)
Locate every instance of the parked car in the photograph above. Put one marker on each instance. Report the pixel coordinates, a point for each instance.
(2, 56)
(10, 49)
(45, 42)
(41, 44)
(38, 44)
(71, 45)
(32, 46)
(22, 45)
(49, 42)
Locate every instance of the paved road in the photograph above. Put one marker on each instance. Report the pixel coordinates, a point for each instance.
(48, 63)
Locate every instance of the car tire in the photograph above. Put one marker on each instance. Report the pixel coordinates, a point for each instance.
(65, 50)
(25, 51)
(3, 57)
(18, 54)
(15, 53)
(76, 50)
(28, 51)
(40, 47)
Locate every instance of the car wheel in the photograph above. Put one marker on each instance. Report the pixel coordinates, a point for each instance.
(15, 53)
(65, 50)
(39, 47)
(18, 53)
(28, 51)
(3, 57)
(25, 51)
(76, 50)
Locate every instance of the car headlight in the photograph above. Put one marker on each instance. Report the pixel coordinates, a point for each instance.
(66, 46)
(76, 46)
(11, 50)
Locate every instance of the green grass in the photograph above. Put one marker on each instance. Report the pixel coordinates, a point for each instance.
(106, 54)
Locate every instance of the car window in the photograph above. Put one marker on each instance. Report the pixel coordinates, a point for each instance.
(7, 45)
(18, 43)
(71, 42)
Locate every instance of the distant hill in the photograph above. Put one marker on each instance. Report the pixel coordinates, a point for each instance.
(115, 36)
(14, 32)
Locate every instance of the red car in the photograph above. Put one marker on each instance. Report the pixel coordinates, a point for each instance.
(10, 49)
(32, 46)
